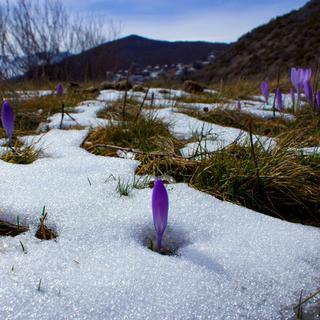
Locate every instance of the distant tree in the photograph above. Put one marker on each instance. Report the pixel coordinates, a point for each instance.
(34, 33)
(88, 31)
(4, 31)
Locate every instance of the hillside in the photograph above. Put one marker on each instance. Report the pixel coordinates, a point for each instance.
(134, 51)
(289, 40)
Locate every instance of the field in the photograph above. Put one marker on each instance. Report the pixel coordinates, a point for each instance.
(76, 221)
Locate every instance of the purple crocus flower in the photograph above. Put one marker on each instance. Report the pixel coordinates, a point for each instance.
(279, 100)
(307, 75)
(160, 207)
(297, 78)
(7, 118)
(318, 100)
(265, 90)
(293, 98)
(60, 89)
(308, 92)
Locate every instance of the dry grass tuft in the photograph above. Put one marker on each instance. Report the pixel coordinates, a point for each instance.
(115, 111)
(277, 182)
(147, 134)
(43, 232)
(304, 132)
(178, 168)
(10, 229)
(202, 98)
(24, 155)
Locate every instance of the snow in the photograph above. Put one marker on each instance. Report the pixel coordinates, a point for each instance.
(260, 109)
(85, 116)
(266, 114)
(253, 110)
(166, 98)
(218, 141)
(28, 94)
(216, 137)
(110, 95)
(308, 151)
(160, 93)
(181, 125)
(210, 91)
(161, 103)
(232, 263)
(156, 93)
(260, 101)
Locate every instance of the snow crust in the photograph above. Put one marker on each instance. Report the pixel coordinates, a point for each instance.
(163, 98)
(155, 93)
(213, 137)
(232, 263)
(309, 150)
(84, 116)
(28, 94)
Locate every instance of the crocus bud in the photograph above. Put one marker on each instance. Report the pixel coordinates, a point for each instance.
(239, 105)
(306, 75)
(318, 100)
(160, 207)
(308, 92)
(60, 89)
(265, 91)
(299, 76)
(7, 118)
(279, 99)
(295, 75)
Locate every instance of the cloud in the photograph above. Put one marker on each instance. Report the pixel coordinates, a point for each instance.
(211, 20)
(224, 23)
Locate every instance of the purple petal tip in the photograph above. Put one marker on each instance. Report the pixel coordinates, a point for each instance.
(160, 208)
(7, 119)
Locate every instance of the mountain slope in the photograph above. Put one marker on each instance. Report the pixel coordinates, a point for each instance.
(289, 40)
(132, 51)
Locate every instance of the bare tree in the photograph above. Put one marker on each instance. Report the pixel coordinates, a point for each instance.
(4, 28)
(34, 33)
(88, 31)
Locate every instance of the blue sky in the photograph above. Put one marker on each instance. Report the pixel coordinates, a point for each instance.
(210, 20)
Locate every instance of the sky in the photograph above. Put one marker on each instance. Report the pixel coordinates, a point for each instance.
(208, 20)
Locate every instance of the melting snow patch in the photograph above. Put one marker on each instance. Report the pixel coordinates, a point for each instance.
(231, 262)
(213, 137)
(309, 151)
(85, 116)
(28, 94)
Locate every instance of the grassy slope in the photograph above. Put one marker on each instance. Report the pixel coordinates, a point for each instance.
(279, 183)
(276, 182)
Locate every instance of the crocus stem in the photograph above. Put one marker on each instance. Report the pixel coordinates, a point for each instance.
(10, 142)
(62, 115)
(274, 107)
(159, 240)
(293, 106)
(298, 101)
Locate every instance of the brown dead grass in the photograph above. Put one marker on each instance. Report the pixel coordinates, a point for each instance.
(10, 229)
